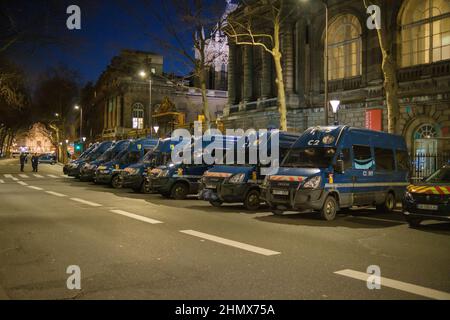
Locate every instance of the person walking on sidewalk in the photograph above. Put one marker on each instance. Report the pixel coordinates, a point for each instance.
(35, 162)
(23, 158)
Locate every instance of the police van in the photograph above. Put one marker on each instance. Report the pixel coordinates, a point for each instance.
(338, 167)
(74, 169)
(240, 183)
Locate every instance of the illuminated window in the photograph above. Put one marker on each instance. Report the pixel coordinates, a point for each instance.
(425, 32)
(344, 48)
(138, 116)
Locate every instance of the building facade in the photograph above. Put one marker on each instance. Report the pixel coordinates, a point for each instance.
(134, 96)
(421, 43)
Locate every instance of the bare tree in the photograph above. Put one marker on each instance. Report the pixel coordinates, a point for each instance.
(388, 66)
(259, 23)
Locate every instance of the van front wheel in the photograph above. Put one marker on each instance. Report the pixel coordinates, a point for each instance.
(329, 209)
(389, 204)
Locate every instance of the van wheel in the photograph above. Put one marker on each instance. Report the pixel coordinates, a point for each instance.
(145, 187)
(389, 204)
(216, 203)
(116, 182)
(179, 191)
(328, 212)
(252, 201)
(414, 223)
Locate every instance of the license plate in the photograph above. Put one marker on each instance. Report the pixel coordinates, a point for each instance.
(211, 186)
(427, 207)
(280, 192)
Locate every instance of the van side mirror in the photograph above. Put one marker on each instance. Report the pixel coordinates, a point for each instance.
(339, 166)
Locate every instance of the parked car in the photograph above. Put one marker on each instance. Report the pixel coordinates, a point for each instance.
(428, 200)
(75, 167)
(110, 172)
(178, 180)
(241, 183)
(87, 171)
(134, 175)
(47, 158)
(337, 167)
(69, 165)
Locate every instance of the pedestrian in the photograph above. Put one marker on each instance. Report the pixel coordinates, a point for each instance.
(35, 162)
(22, 158)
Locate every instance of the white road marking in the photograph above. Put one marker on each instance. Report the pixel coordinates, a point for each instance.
(52, 176)
(92, 204)
(63, 176)
(23, 176)
(1, 181)
(231, 243)
(136, 217)
(381, 220)
(56, 194)
(35, 188)
(38, 175)
(9, 176)
(399, 285)
(22, 183)
(15, 179)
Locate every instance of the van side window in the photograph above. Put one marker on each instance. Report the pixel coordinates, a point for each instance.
(362, 158)
(384, 159)
(345, 156)
(403, 163)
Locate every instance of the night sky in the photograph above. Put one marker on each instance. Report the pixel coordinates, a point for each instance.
(107, 27)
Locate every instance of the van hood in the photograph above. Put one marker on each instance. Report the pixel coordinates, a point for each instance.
(232, 169)
(297, 172)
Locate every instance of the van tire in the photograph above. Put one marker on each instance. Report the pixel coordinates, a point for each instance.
(329, 209)
(414, 223)
(252, 200)
(216, 203)
(179, 191)
(115, 182)
(389, 204)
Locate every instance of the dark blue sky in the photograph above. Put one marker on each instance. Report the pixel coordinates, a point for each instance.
(107, 27)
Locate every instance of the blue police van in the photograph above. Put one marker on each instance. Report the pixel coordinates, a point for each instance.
(109, 172)
(74, 169)
(67, 166)
(178, 180)
(87, 172)
(241, 183)
(134, 175)
(338, 167)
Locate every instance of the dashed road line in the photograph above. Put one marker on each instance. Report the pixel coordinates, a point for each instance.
(22, 183)
(399, 285)
(52, 176)
(136, 217)
(35, 188)
(56, 194)
(8, 176)
(89, 203)
(1, 181)
(231, 243)
(38, 176)
(23, 176)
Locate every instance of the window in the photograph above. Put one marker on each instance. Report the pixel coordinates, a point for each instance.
(384, 159)
(345, 156)
(362, 158)
(425, 32)
(344, 48)
(138, 116)
(403, 163)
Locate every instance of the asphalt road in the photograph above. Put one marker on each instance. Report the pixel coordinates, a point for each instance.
(133, 246)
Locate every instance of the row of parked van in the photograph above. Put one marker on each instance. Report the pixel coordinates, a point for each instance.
(325, 169)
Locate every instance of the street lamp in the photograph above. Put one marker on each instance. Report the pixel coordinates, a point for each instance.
(84, 139)
(325, 64)
(335, 106)
(156, 128)
(81, 120)
(143, 75)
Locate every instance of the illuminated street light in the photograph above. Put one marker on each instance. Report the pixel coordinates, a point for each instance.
(335, 106)
(143, 75)
(156, 128)
(77, 107)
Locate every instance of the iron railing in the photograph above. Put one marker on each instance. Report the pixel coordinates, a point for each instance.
(423, 165)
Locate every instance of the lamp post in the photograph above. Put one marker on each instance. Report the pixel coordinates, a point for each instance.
(143, 75)
(335, 106)
(156, 128)
(81, 120)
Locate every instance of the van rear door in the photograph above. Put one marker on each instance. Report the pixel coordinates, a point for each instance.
(362, 173)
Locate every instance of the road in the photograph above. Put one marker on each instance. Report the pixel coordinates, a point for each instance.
(133, 246)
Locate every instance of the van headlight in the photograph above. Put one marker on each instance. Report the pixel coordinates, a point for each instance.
(266, 181)
(313, 183)
(237, 178)
(409, 197)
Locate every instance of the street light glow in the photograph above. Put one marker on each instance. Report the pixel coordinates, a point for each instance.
(77, 107)
(142, 74)
(335, 105)
(156, 128)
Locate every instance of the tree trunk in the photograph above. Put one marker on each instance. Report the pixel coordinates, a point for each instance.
(205, 104)
(2, 138)
(9, 142)
(279, 78)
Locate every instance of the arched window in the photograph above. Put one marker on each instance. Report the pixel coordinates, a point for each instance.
(344, 48)
(425, 32)
(138, 116)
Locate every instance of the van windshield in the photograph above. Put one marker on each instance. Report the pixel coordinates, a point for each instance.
(309, 158)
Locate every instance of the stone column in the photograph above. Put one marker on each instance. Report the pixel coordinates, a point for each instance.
(266, 74)
(288, 59)
(231, 74)
(248, 73)
(119, 110)
(105, 115)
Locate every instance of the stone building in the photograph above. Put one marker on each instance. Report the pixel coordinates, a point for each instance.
(123, 95)
(421, 30)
